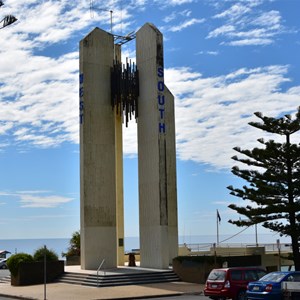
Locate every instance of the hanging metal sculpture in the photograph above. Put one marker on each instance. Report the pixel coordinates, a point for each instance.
(125, 89)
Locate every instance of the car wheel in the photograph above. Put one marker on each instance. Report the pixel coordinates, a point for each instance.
(241, 295)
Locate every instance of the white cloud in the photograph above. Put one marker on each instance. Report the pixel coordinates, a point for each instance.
(37, 199)
(251, 42)
(44, 91)
(185, 13)
(234, 12)
(170, 17)
(212, 114)
(269, 19)
(5, 126)
(39, 94)
(247, 24)
(186, 24)
(130, 139)
(175, 2)
(214, 53)
(42, 201)
(173, 15)
(223, 30)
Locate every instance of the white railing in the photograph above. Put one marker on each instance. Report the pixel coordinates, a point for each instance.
(291, 290)
(102, 262)
(207, 246)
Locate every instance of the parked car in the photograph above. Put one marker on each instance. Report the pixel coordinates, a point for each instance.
(269, 286)
(231, 283)
(3, 264)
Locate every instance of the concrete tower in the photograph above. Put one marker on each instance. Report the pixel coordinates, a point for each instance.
(156, 154)
(101, 164)
(98, 175)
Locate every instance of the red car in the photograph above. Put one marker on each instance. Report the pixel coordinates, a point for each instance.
(231, 283)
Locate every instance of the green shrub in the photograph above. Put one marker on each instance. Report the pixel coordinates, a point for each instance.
(74, 248)
(50, 255)
(14, 261)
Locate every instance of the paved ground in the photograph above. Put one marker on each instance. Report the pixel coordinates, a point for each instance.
(62, 291)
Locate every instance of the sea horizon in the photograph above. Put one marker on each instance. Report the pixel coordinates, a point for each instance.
(60, 245)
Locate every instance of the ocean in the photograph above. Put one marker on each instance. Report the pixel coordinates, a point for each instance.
(60, 245)
(31, 245)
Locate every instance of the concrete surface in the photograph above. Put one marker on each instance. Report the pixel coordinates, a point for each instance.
(63, 291)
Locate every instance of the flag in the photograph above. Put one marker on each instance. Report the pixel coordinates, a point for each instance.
(218, 216)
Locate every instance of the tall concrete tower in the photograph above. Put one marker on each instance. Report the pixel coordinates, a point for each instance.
(156, 154)
(97, 152)
(106, 93)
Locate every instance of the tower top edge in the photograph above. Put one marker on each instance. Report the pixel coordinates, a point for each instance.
(151, 26)
(96, 31)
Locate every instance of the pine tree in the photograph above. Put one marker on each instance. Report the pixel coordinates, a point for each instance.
(273, 177)
(74, 248)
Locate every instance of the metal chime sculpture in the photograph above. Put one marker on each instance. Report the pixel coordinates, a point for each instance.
(125, 89)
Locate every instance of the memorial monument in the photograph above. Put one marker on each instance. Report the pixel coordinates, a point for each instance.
(111, 92)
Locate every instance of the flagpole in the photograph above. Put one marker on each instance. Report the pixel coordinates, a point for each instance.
(217, 228)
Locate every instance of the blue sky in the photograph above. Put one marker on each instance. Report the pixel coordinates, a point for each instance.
(224, 60)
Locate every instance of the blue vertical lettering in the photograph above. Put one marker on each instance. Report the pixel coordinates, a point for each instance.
(162, 127)
(81, 78)
(81, 92)
(160, 72)
(161, 99)
(161, 86)
(162, 110)
(81, 103)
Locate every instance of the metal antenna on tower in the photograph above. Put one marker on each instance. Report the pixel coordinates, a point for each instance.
(92, 13)
(119, 39)
(92, 9)
(111, 18)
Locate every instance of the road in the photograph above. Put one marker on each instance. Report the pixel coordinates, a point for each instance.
(183, 297)
(4, 273)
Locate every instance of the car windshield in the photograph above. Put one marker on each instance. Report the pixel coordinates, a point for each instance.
(217, 275)
(274, 277)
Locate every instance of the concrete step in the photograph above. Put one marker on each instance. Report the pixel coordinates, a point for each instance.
(5, 279)
(118, 279)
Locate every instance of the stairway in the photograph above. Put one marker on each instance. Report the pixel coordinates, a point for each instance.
(5, 280)
(118, 279)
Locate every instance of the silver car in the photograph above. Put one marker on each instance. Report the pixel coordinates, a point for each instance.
(3, 264)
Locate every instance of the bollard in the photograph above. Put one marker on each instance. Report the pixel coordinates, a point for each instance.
(131, 262)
